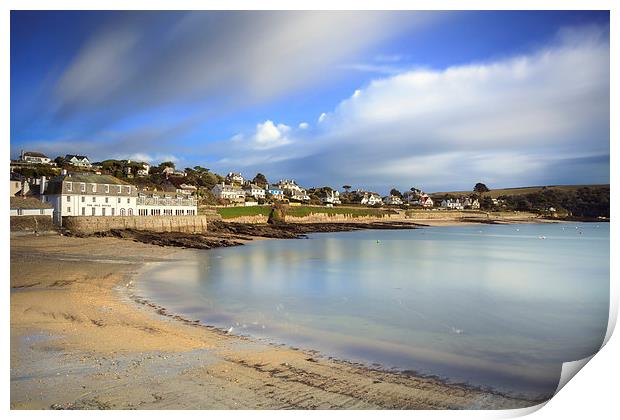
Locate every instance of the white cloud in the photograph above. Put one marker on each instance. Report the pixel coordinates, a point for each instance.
(204, 55)
(304, 126)
(267, 135)
(510, 122)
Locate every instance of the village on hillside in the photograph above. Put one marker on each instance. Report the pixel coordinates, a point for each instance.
(73, 186)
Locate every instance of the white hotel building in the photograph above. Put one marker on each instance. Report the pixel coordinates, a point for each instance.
(85, 194)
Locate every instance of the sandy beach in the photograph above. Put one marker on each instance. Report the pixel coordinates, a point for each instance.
(79, 341)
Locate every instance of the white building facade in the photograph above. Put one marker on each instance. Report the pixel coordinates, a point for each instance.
(35, 157)
(253, 190)
(105, 195)
(228, 192)
(78, 160)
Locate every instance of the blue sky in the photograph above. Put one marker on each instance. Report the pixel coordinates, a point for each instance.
(439, 100)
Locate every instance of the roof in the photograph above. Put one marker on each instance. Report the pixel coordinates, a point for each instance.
(90, 178)
(55, 184)
(29, 203)
(35, 154)
(80, 157)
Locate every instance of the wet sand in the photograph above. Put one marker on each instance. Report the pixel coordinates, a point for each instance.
(79, 341)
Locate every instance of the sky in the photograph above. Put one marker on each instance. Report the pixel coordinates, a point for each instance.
(375, 100)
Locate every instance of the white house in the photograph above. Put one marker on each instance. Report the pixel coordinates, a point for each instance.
(253, 190)
(228, 192)
(293, 190)
(168, 170)
(35, 157)
(452, 204)
(468, 203)
(371, 199)
(144, 171)
(78, 160)
(165, 204)
(28, 206)
(235, 178)
(393, 200)
(330, 197)
(85, 194)
(187, 189)
(421, 199)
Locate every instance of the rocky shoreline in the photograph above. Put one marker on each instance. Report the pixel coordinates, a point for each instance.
(225, 234)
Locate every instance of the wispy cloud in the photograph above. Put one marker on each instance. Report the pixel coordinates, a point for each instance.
(509, 122)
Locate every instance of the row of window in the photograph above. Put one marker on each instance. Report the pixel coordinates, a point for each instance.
(20, 212)
(93, 187)
(122, 212)
(95, 199)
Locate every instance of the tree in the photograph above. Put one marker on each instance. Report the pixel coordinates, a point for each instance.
(481, 188)
(346, 187)
(415, 190)
(167, 164)
(395, 192)
(260, 180)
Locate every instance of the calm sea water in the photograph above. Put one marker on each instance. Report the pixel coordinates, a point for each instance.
(496, 306)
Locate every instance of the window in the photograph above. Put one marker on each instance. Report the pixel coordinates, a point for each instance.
(68, 199)
(94, 199)
(94, 188)
(130, 212)
(69, 185)
(20, 212)
(128, 189)
(83, 199)
(128, 200)
(103, 211)
(107, 188)
(68, 209)
(113, 211)
(83, 211)
(93, 211)
(83, 187)
(119, 200)
(41, 211)
(122, 212)
(118, 190)
(106, 199)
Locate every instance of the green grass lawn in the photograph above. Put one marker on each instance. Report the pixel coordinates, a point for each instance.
(299, 211)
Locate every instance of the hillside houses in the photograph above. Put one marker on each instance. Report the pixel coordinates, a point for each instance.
(276, 193)
(232, 193)
(330, 197)
(36, 158)
(393, 200)
(292, 190)
(78, 160)
(452, 204)
(460, 203)
(370, 199)
(235, 178)
(420, 199)
(253, 190)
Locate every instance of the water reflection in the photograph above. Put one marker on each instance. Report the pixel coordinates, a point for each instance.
(491, 305)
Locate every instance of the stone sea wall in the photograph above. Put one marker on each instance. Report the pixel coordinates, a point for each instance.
(94, 224)
(31, 224)
(415, 216)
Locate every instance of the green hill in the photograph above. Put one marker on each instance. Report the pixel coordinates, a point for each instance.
(522, 190)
